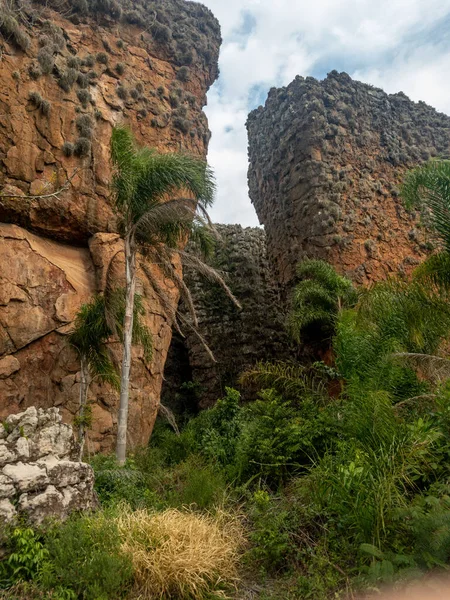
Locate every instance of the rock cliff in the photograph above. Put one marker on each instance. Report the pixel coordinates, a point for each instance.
(238, 338)
(70, 71)
(39, 474)
(326, 162)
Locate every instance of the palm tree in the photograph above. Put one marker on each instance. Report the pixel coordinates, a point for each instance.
(155, 224)
(428, 187)
(318, 298)
(92, 330)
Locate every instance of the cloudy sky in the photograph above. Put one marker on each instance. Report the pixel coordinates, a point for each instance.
(398, 45)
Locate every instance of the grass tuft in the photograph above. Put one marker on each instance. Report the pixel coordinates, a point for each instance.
(181, 554)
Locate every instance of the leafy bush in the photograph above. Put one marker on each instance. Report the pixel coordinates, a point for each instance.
(84, 555)
(26, 555)
(272, 545)
(181, 554)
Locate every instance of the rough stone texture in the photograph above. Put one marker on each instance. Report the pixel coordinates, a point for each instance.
(54, 250)
(238, 338)
(45, 480)
(326, 162)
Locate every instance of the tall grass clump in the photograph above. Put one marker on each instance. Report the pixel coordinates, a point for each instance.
(179, 553)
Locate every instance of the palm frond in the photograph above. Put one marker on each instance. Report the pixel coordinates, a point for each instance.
(160, 214)
(428, 187)
(163, 298)
(435, 271)
(318, 297)
(432, 367)
(185, 322)
(288, 378)
(193, 262)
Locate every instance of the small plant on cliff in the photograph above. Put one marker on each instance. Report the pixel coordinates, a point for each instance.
(318, 298)
(95, 324)
(144, 182)
(11, 30)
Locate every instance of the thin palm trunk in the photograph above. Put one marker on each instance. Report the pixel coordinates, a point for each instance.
(130, 272)
(84, 389)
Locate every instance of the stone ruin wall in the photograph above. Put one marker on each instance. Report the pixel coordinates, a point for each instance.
(238, 338)
(326, 165)
(105, 68)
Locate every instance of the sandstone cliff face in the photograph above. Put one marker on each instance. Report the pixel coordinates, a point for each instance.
(85, 68)
(326, 162)
(238, 338)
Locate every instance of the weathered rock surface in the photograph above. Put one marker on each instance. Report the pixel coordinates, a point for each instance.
(82, 74)
(238, 338)
(45, 480)
(326, 162)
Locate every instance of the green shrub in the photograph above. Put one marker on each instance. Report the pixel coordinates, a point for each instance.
(120, 44)
(134, 93)
(272, 546)
(84, 555)
(193, 483)
(115, 484)
(26, 555)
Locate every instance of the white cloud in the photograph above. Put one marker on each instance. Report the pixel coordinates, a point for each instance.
(394, 44)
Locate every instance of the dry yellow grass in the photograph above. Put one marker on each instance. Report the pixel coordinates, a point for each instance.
(179, 553)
